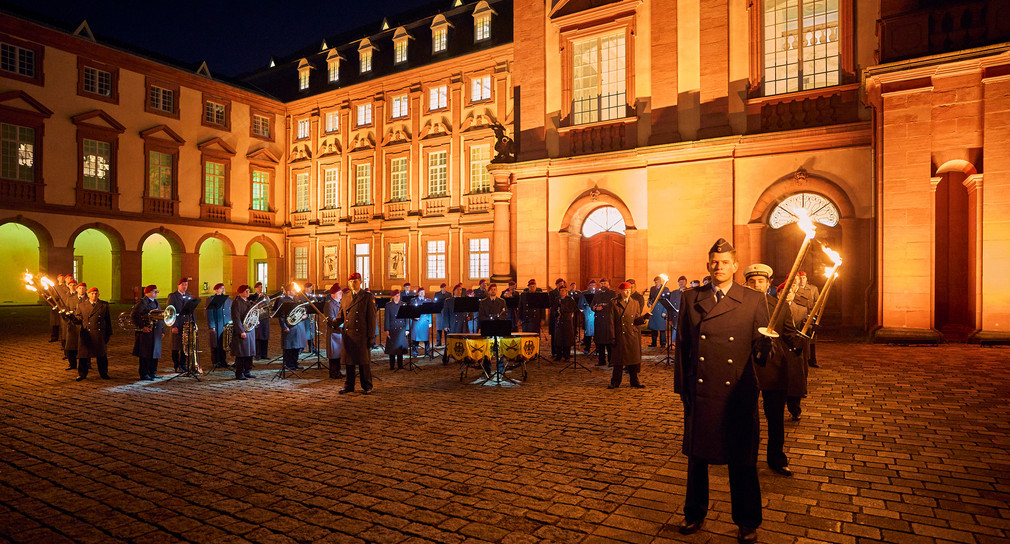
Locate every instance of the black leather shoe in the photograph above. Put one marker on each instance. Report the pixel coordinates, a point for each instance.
(79, 378)
(248, 375)
(367, 392)
(241, 377)
(342, 391)
(638, 386)
(794, 418)
(612, 386)
(691, 527)
(746, 535)
(106, 377)
(815, 365)
(781, 470)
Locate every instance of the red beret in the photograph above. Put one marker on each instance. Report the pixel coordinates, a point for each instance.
(458, 285)
(334, 288)
(397, 292)
(354, 276)
(531, 282)
(624, 285)
(82, 284)
(218, 286)
(801, 273)
(559, 280)
(68, 278)
(443, 285)
(258, 284)
(242, 288)
(182, 281)
(93, 290)
(150, 288)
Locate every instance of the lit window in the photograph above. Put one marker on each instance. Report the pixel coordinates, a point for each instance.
(303, 129)
(436, 259)
(800, 45)
(598, 79)
(365, 56)
(482, 28)
(819, 208)
(302, 192)
(97, 81)
(18, 153)
(480, 258)
(17, 60)
(261, 191)
(400, 51)
(301, 262)
(439, 38)
(261, 126)
(213, 183)
(480, 178)
(333, 121)
(398, 179)
(330, 181)
(303, 80)
(96, 165)
(399, 106)
(438, 97)
(480, 88)
(363, 262)
(333, 70)
(160, 175)
(162, 99)
(606, 219)
(363, 185)
(364, 115)
(214, 113)
(437, 174)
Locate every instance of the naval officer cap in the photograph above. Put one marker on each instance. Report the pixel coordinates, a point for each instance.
(758, 269)
(721, 246)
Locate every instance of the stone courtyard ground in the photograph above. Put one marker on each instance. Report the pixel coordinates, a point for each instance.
(896, 444)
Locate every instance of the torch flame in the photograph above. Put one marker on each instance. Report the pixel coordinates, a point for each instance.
(298, 288)
(835, 258)
(29, 278)
(665, 277)
(804, 222)
(31, 287)
(46, 282)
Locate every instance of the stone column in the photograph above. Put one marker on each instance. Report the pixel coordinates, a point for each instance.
(239, 273)
(501, 267)
(756, 238)
(190, 269)
(131, 286)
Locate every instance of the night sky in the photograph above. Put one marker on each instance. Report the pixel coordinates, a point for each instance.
(233, 37)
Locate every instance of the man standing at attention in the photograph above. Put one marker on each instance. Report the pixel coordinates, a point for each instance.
(717, 345)
(357, 314)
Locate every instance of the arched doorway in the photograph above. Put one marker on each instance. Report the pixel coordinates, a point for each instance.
(212, 266)
(603, 245)
(93, 262)
(259, 266)
(954, 277)
(21, 252)
(784, 240)
(159, 262)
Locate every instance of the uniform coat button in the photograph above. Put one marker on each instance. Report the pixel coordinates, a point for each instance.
(701, 380)
(730, 361)
(701, 358)
(730, 338)
(727, 384)
(703, 337)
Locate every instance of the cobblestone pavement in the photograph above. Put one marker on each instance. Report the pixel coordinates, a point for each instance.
(899, 444)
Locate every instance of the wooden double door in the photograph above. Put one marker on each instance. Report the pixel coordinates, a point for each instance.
(602, 256)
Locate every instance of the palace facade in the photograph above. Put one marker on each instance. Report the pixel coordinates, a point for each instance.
(642, 131)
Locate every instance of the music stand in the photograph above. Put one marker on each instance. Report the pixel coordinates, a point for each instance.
(380, 306)
(282, 312)
(670, 310)
(465, 305)
(495, 329)
(410, 312)
(575, 349)
(189, 371)
(538, 300)
(319, 308)
(432, 308)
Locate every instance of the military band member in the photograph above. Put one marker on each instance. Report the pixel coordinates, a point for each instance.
(492, 307)
(532, 318)
(95, 325)
(147, 340)
(603, 323)
(634, 292)
(783, 378)
(68, 291)
(566, 326)
(420, 328)
(397, 330)
(626, 319)
(460, 320)
(292, 336)
(444, 318)
(588, 316)
(310, 318)
(508, 294)
(657, 320)
(243, 343)
(179, 298)
(806, 296)
(218, 315)
(718, 344)
(357, 313)
(73, 328)
(333, 343)
(554, 296)
(263, 330)
(54, 313)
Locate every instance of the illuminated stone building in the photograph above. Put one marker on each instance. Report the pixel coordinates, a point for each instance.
(643, 131)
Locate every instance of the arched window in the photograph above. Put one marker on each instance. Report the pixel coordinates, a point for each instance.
(606, 219)
(821, 210)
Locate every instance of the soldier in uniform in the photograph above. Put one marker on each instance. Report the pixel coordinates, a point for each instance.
(554, 296)
(263, 330)
(626, 320)
(588, 315)
(397, 330)
(444, 317)
(147, 341)
(657, 320)
(419, 330)
(532, 318)
(603, 323)
(66, 292)
(54, 314)
(492, 307)
(243, 343)
(73, 330)
(309, 323)
(217, 318)
(357, 313)
(96, 329)
(178, 299)
(565, 327)
(718, 344)
(333, 344)
(292, 336)
(806, 296)
(783, 376)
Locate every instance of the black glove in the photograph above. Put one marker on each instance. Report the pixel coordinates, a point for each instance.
(642, 319)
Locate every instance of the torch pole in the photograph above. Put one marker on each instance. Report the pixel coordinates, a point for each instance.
(815, 314)
(770, 329)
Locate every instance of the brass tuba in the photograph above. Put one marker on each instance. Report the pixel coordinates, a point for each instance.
(297, 314)
(168, 315)
(189, 345)
(226, 335)
(126, 322)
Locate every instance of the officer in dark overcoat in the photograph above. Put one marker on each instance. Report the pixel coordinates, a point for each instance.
(554, 295)
(178, 299)
(147, 340)
(218, 315)
(565, 327)
(55, 321)
(397, 330)
(357, 314)
(293, 337)
(532, 318)
(444, 318)
(626, 315)
(96, 329)
(658, 317)
(718, 344)
(334, 344)
(243, 342)
(603, 323)
(73, 329)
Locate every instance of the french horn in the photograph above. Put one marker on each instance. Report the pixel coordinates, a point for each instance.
(297, 314)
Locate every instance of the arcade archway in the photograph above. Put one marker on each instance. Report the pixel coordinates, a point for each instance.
(97, 250)
(160, 262)
(21, 252)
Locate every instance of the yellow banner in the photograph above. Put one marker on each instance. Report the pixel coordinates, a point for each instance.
(475, 349)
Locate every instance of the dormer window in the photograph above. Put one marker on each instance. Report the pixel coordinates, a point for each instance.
(365, 50)
(439, 34)
(482, 21)
(333, 66)
(400, 51)
(303, 79)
